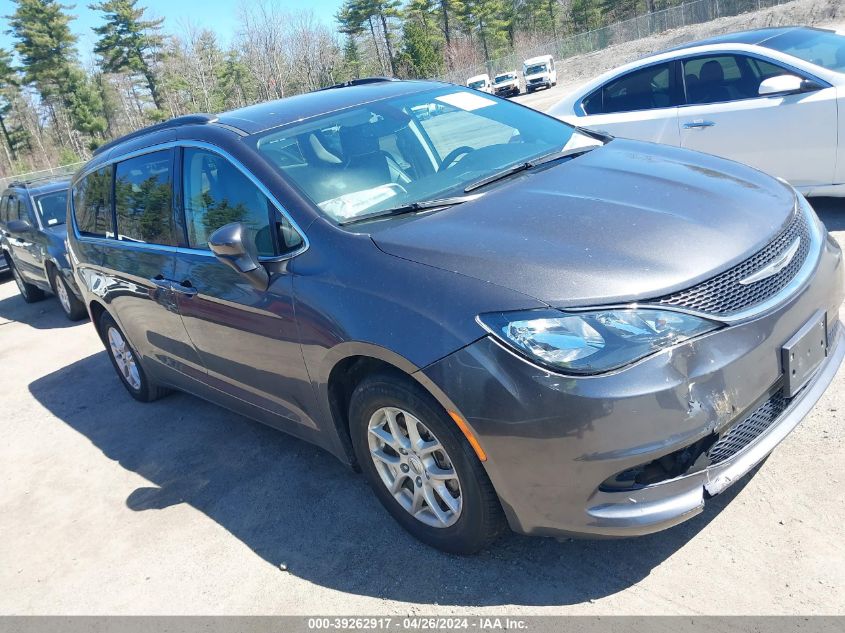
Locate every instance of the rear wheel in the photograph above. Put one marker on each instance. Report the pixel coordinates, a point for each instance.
(125, 361)
(29, 292)
(73, 308)
(421, 468)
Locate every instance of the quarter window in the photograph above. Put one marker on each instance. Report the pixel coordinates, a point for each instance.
(92, 204)
(143, 196)
(14, 208)
(218, 193)
(765, 70)
(645, 89)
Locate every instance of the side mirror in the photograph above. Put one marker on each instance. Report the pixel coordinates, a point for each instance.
(786, 85)
(232, 246)
(18, 226)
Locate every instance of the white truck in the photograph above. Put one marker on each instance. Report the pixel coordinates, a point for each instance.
(506, 84)
(480, 83)
(539, 72)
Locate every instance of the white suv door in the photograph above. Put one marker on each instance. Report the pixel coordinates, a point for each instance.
(641, 105)
(792, 136)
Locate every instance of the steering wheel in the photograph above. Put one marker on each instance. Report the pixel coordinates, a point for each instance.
(452, 156)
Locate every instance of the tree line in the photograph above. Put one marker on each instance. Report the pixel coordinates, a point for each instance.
(55, 110)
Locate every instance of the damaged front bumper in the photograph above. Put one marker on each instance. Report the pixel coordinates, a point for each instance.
(662, 505)
(554, 441)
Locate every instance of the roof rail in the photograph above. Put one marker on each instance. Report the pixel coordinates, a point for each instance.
(44, 176)
(362, 81)
(187, 119)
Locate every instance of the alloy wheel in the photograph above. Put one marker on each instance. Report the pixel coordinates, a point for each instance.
(124, 359)
(415, 467)
(61, 293)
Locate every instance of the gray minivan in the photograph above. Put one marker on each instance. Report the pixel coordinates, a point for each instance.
(501, 320)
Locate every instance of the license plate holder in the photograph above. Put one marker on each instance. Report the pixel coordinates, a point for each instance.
(803, 353)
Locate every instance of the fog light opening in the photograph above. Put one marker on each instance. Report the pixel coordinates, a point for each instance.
(681, 462)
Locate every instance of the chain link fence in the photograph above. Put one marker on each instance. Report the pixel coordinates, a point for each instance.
(54, 172)
(695, 12)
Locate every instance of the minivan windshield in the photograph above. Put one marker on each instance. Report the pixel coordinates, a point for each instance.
(477, 84)
(535, 69)
(822, 48)
(387, 154)
(502, 78)
(52, 208)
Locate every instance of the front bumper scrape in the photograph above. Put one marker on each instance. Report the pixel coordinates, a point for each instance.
(659, 506)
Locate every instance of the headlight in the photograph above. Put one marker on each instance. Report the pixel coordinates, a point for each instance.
(593, 342)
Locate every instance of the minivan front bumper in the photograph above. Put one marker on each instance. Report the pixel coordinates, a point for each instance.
(553, 440)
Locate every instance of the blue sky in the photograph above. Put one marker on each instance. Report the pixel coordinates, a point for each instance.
(217, 15)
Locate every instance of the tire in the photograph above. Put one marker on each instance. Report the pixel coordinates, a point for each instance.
(73, 308)
(29, 292)
(128, 367)
(479, 518)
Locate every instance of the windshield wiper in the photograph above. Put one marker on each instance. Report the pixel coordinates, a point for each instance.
(412, 207)
(531, 164)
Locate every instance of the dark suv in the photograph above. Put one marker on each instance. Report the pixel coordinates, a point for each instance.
(499, 318)
(33, 239)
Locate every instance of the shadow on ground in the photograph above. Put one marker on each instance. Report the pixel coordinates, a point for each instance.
(43, 315)
(295, 504)
(831, 211)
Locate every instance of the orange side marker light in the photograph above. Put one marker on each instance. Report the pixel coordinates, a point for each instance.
(468, 434)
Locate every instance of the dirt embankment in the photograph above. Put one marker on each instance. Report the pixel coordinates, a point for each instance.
(578, 69)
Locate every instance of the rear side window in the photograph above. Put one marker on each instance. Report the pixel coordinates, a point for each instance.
(645, 89)
(143, 197)
(92, 204)
(218, 193)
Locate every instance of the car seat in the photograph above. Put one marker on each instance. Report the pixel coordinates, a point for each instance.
(711, 81)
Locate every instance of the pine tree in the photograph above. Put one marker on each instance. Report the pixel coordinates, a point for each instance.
(484, 18)
(420, 53)
(128, 43)
(47, 51)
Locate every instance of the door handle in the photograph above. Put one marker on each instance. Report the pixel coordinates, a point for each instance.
(160, 282)
(694, 124)
(183, 288)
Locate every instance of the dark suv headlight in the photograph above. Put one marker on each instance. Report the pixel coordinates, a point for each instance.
(593, 342)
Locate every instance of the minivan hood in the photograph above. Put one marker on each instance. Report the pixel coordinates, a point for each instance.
(626, 222)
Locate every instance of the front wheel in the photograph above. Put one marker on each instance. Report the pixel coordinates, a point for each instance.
(421, 468)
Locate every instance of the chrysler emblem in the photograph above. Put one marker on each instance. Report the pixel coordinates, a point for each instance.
(773, 268)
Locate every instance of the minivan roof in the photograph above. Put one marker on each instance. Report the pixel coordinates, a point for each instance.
(263, 116)
(270, 114)
(537, 60)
